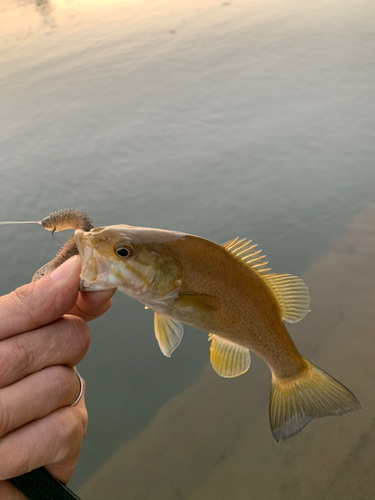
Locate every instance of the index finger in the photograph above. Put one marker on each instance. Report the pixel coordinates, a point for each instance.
(41, 302)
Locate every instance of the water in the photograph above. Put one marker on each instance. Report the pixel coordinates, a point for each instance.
(222, 119)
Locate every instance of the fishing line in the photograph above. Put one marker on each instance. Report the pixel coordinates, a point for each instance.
(31, 222)
(19, 222)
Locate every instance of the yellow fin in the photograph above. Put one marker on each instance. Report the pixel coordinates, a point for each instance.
(290, 291)
(228, 359)
(245, 251)
(168, 333)
(292, 295)
(295, 402)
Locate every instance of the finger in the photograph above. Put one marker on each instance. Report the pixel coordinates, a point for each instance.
(64, 342)
(91, 305)
(36, 396)
(54, 439)
(10, 492)
(63, 468)
(41, 302)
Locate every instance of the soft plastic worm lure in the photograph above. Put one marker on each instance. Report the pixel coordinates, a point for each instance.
(67, 218)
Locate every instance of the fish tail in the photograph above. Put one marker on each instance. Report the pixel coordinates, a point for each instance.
(294, 402)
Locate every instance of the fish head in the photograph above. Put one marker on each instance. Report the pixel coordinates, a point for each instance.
(135, 260)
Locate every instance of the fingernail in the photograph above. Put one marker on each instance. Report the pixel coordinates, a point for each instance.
(65, 269)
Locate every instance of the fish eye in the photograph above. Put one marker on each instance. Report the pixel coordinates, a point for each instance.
(124, 251)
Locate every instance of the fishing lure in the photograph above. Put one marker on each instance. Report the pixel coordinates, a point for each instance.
(67, 218)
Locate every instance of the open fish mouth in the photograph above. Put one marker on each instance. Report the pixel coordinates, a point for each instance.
(94, 267)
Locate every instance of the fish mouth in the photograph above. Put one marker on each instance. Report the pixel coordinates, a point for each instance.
(94, 267)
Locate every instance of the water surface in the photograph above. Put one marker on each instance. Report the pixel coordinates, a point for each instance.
(222, 119)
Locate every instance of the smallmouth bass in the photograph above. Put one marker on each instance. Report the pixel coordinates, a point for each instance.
(226, 291)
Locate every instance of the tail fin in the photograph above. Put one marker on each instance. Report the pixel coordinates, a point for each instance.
(295, 402)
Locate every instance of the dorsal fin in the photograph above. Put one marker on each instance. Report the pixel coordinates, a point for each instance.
(292, 295)
(245, 251)
(290, 291)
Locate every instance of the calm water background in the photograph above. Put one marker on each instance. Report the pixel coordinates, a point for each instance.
(222, 119)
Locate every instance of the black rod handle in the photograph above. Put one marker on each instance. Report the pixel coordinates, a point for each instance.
(39, 484)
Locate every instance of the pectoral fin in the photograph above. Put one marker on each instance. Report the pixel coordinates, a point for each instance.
(200, 302)
(168, 333)
(228, 359)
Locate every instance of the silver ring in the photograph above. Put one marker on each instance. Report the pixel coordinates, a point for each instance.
(80, 388)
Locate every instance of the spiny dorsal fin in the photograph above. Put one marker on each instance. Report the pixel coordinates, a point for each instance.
(168, 333)
(290, 291)
(228, 359)
(245, 251)
(292, 295)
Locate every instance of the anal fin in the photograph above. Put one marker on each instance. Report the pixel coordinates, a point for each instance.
(228, 359)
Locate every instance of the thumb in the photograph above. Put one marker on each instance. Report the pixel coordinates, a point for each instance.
(41, 302)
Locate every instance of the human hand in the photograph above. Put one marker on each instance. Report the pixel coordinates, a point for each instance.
(43, 334)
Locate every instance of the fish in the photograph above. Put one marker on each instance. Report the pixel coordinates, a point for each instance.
(228, 292)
